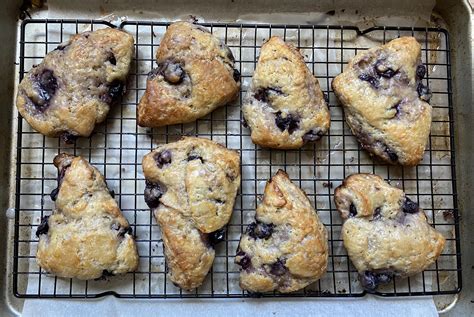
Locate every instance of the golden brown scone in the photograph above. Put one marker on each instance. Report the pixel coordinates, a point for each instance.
(286, 248)
(73, 87)
(385, 102)
(385, 233)
(195, 75)
(285, 107)
(86, 236)
(191, 187)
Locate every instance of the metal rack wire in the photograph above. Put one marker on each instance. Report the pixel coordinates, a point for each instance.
(118, 145)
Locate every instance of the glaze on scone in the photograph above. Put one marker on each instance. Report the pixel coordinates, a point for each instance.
(191, 187)
(385, 102)
(285, 107)
(385, 233)
(286, 248)
(87, 236)
(195, 75)
(75, 85)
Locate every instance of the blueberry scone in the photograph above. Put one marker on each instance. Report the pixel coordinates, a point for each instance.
(87, 236)
(191, 187)
(195, 75)
(385, 102)
(286, 248)
(284, 107)
(74, 86)
(385, 233)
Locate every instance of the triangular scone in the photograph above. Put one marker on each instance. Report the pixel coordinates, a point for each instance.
(191, 187)
(286, 248)
(75, 85)
(284, 107)
(385, 103)
(86, 236)
(195, 75)
(385, 233)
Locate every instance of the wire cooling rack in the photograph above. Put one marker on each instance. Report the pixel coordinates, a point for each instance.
(118, 145)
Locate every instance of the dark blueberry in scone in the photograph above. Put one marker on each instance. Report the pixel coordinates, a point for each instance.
(192, 157)
(72, 89)
(286, 248)
(409, 206)
(278, 268)
(213, 238)
(114, 92)
(172, 72)
(352, 210)
(195, 75)
(284, 107)
(68, 138)
(153, 193)
(43, 228)
(370, 280)
(86, 233)
(260, 230)
(313, 136)
(163, 158)
(389, 235)
(289, 122)
(191, 187)
(243, 260)
(54, 194)
(385, 102)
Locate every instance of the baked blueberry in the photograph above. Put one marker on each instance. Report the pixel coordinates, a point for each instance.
(214, 238)
(243, 260)
(278, 268)
(410, 206)
(153, 193)
(421, 71)
(260, 230)
(43, 228)
(173, 73)
(352, 210)
(163, 158)
(289, 122)
(370, 79)
(313, 136)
